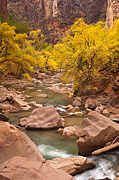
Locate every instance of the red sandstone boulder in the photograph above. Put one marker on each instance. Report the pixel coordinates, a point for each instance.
(72, 165)
(16, 143)
(77, 101)
(95, 131)
(20, 104)
(70, 130)
(91, 103)
(20, 168)
(44, 118)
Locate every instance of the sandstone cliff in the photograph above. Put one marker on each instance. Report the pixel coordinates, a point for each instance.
(3, 8)
(112, 11)
(54, 17)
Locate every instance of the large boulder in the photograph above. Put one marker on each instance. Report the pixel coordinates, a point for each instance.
(43, 118)
(72, 165)
(95, 131)
(16, 143)
(20, 168)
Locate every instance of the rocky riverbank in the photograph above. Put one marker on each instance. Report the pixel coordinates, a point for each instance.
(94, 133)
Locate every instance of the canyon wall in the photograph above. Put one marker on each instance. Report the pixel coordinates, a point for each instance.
(54, 17)
(112, 11)
(3, 8)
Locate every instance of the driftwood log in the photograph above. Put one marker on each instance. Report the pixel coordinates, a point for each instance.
(104, 149)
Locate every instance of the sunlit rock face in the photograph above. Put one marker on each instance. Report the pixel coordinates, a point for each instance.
(3, 8)
(54, 17)
(112, 11)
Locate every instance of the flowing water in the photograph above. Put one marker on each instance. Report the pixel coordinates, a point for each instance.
(52, 144)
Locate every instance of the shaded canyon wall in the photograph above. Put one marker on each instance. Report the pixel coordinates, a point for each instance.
(112, 11)
(3, 8)
(54, 17)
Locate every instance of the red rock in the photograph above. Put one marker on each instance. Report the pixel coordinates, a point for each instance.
(91, 103)
(70, 130)
(77, 101)
(4, 178)
(72, 165)
(42, 95)
(114, 117)
(20, 104)
(20, 168)
(44, 118)
(55, 17)
(95, 131)
(16, 143)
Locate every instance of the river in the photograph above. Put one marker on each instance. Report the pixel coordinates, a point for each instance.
(52, 144)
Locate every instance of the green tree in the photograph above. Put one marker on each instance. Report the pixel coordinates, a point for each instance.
(12, 20)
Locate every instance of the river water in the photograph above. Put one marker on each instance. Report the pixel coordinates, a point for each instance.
(52, 144)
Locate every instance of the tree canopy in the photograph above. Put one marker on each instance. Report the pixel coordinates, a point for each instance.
(86, 54)
(86, 51)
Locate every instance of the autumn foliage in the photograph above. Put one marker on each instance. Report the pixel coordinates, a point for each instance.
(86, 54)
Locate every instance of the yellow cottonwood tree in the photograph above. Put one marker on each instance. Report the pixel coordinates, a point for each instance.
(113, 45)
(13, 59)
(87, 53)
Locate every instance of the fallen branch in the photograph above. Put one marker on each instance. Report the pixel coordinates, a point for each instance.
(112, 146)
(114, 140)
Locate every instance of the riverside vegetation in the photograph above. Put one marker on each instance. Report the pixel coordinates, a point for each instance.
(85, 55)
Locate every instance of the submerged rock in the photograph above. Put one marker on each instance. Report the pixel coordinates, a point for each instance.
(42, 95)
(44, 118)
(20, 168)
(72, 165)
(33, 103)
(70, 130)
(95, 131)
(16, 143)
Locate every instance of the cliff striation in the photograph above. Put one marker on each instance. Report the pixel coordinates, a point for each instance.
(3, 8)
(54, 17)
(112, 11)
